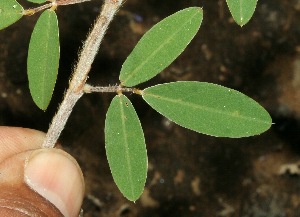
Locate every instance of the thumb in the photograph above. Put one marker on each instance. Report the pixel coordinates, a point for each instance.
(43, 182)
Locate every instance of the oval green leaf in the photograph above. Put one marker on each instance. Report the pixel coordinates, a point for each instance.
(241, 10)
(160, 46)
(43, 59)
(10, 12)
(37, 1)
(209, 108)
(125, 147)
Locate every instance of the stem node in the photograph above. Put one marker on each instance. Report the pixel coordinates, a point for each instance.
(87, 55)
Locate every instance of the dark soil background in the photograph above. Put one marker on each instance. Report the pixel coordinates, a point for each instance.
(190, 174)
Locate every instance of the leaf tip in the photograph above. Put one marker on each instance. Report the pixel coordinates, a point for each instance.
(40, 104)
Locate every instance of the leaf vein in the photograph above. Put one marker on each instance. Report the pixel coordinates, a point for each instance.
(205, 108)
(148, 59)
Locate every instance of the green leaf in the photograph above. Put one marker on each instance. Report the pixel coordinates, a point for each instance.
(209, 108)
(43, 59)
(160, 46)
(37, 1)
(125, 147)
(10, 12)
(241, 10)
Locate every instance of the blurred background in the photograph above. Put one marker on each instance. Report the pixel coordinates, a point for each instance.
(190, 174)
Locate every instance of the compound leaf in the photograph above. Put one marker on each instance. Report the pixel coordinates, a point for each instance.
(10, 12)
(125, 147)
(43, 59)
(37, 1)
(160, 46)
(241, 10)
(208, 108)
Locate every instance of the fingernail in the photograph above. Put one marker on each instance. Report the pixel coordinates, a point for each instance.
(56, 176)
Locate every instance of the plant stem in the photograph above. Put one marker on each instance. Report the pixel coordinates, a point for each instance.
(32, 11)
(77, 83)
(54, 3)
(70, 2)
(110, 89)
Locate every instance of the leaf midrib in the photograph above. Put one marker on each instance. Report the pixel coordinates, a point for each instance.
(128, 161)
(241, 10)
(147, 59)
(46, 60)
(205, 108)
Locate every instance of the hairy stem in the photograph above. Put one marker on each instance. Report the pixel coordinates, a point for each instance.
(54, 4)
(110, 89)
(70, 2)
(77, 83)
(32, 11)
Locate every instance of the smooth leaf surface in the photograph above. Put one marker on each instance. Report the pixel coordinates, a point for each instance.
(241, 10)
(209, 108)
(37, 1)
(125, 147)
(160, 46)
(43, 59)
(10, 12)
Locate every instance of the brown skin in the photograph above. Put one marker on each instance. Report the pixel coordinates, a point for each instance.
(25, 166)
